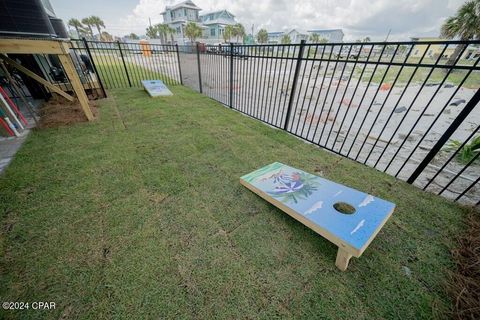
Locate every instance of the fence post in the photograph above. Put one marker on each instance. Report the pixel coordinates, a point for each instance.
(448, 133)
(85, 43)
(199, 69)
(294, 84)
(179, 64)
(230, 103)
(124, 65)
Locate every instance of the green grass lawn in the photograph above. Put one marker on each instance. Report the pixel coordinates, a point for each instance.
(113, 74)
(150, 221)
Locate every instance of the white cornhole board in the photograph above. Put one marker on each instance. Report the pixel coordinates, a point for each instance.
(156, 88)
(314, 201)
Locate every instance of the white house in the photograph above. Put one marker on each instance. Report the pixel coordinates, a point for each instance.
(274, 37)
(215, 23)
(296, 35)
(179, 15)
(331, 35)
(212, 23)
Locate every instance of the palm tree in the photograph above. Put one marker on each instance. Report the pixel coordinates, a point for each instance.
(228, 33)
(262, 36)
(133, 36)
(152, 32)
(314, 38)
(88, 22)
(366, 39)
(465, 24)
(97, 22)
(170, 31)
(162, 32)
(193, 31)
(107, 36)
(76, 24)
(285, 39)
(239, 31)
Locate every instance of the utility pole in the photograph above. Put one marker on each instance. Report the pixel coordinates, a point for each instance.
(388, 34)
(150, 21)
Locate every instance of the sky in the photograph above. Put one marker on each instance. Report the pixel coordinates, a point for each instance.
(357, 18)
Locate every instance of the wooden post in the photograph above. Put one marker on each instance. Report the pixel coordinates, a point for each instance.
(36, 77)
(76, 84)
(343, 258)
(60, 48)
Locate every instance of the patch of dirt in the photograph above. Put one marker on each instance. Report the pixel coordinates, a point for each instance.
(59, 112)
(155, 197)
(465, 282)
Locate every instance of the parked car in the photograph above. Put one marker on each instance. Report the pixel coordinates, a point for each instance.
(350, 53)
(238, 51)
(214, 48)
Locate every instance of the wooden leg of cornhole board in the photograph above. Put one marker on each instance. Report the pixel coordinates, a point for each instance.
(343, 257)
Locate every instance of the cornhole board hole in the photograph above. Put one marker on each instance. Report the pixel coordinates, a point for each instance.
(156, 88)
(345, 216)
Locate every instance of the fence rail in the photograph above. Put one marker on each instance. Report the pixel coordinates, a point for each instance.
(121, 65)
(410, 109)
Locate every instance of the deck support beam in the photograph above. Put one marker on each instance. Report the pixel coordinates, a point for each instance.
(62, 50)
(76, 84)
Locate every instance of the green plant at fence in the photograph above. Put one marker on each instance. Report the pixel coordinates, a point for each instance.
(469, 150)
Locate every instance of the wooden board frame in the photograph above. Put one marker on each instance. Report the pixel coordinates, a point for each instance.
(57, 47)
(30, 46)
(36, 77)
(345, 250)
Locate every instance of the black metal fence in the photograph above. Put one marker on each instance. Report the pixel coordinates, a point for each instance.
(121, 65)
(410, 109)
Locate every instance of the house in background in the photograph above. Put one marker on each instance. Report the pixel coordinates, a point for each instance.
(434, 50)
(296, 35)
(179, 15)
(331, 35)
(472, 52)
(212, 23)
(275, 37)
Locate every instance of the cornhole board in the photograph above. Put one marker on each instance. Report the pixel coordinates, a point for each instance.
(313, 201)
(156, 88)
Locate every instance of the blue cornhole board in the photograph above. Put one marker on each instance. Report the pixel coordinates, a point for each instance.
(311, 199)
(156, 88)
